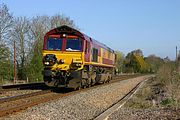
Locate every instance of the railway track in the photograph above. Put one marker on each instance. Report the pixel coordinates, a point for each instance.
(21, 102)
(27, 86)
(106, 113)
(23, 96)
(15, 104)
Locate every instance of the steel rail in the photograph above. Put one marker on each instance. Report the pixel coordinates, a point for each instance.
(23, 96)
(52, 96)
(117, 105)
(21, 86)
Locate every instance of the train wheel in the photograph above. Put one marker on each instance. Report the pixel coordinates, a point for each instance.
(78, 88)
(83, 83)
(109, 78)
(89, 85)
(89, 82)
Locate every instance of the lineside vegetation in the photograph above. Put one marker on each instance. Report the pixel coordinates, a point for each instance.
(162, 91)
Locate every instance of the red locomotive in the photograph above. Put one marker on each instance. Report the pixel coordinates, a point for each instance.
(72, 59)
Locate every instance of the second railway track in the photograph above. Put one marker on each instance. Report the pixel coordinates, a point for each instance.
(26, 86)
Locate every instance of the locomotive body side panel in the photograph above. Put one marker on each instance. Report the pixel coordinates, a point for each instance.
(100, 55)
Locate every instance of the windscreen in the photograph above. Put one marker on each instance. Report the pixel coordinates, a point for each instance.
(73, 44)
(54, 44)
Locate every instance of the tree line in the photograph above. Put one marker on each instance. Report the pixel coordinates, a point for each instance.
(27, 35)
(135, 62)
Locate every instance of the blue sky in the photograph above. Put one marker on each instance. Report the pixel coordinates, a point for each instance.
(125, 25)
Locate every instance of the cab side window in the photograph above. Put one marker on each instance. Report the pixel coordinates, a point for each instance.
(87, 48)
(95, 55)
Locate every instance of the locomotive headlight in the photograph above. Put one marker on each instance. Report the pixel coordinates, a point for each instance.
(64, 35)
(78, 64)
(46, 63)
(61, 61)
(49, 59)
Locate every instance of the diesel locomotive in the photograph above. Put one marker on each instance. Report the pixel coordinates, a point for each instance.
(74, 60)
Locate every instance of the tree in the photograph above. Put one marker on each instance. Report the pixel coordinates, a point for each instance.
(6, 71)
(59, 20)
(38, 27)
(134, 62)
(6, 22)
(154, 63)
(119, 61)
(141, 64)
(20, 34)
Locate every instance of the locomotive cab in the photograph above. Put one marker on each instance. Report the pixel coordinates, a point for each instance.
(62, 55)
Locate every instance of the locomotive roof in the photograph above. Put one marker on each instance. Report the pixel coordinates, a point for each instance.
(70, 30)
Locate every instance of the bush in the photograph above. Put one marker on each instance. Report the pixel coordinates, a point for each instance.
(167, 101)
(170, 79)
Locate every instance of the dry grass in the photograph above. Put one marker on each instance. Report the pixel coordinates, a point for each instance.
(169, 77)
(163, 91)
(6, 82)
(143, 98)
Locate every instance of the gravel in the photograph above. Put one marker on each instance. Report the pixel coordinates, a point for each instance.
(5, 94)
(81, 106)
(146, 114)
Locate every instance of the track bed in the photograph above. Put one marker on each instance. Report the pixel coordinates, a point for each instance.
(82, 104)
